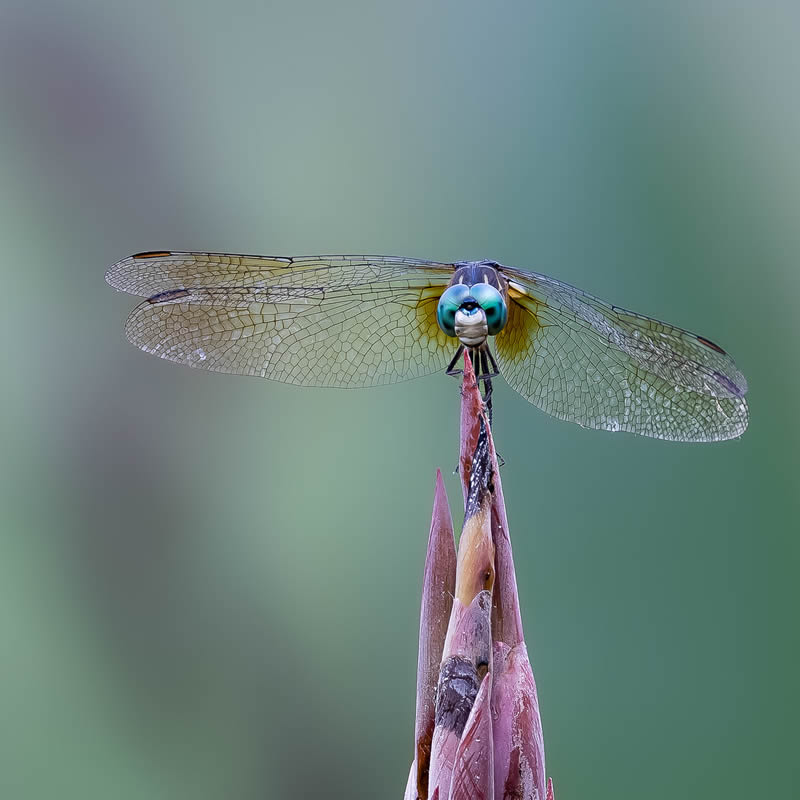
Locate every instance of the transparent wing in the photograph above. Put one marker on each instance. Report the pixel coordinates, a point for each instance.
(327, 321)
(152, 273)
(585, 361)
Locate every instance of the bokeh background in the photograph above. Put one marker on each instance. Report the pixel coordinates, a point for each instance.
(209, 585)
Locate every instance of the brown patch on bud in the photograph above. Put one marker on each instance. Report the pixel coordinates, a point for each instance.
(475, 571)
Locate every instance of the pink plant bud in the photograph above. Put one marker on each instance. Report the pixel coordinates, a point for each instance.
(486, 737)
(438, 585)
(475, 571)
(518, 744)
(465, 661)
(473, 774)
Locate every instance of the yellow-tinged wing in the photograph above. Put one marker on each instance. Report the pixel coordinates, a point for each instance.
(368, 320)
(589, 362)
(315, 321)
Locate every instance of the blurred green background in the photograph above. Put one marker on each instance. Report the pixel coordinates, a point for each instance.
(209, 585)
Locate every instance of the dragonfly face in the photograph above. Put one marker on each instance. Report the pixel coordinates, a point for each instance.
(475, 305)
(371, 320)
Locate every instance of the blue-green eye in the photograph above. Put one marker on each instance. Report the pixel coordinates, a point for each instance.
(491, 301)
(449, 303)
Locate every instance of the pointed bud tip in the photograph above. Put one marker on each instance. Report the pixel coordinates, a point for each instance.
(440, 493)
(469, 371)
(441, 540)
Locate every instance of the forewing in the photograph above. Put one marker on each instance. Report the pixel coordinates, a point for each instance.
(312, 321)
(152, 273)
(585, 361)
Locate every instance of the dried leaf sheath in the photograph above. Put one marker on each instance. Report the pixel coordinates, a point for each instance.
(437, 600)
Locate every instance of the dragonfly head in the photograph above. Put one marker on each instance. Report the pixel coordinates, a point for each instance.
(472, 312)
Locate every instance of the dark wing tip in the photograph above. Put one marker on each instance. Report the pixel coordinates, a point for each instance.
(709, 343)
(152, 254)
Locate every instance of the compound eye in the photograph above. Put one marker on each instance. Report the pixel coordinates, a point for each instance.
(491, 301)
(449, 303)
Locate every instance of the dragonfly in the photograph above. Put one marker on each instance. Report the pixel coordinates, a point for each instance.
(355, 320)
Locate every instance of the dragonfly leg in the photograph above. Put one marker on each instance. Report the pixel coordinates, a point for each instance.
(487, 398)
(487, 401)
(451, 367)
(487, 392)
(495, 368)
(485, 370)
(484, 363)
